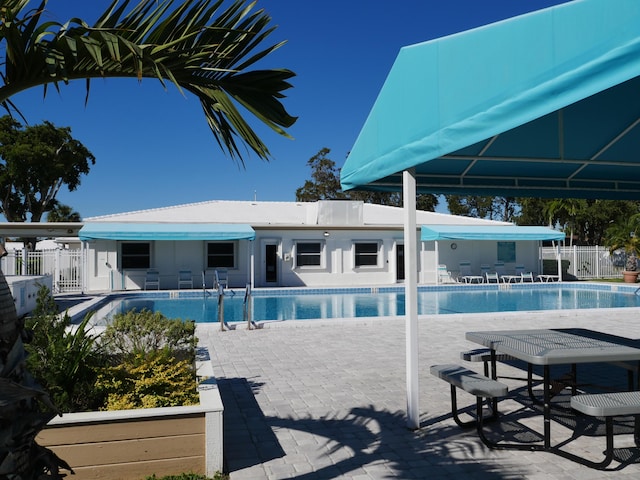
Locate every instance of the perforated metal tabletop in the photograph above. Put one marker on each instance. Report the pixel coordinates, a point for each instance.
(558, 347)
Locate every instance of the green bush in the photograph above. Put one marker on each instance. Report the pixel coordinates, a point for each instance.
(152, 363)
(63, 359)
(142, 360)
(144, 333)
(148, 382)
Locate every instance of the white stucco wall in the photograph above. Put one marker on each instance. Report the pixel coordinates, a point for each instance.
(337, 269)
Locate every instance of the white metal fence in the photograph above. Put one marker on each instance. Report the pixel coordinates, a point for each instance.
(64, 266)
(588, 262)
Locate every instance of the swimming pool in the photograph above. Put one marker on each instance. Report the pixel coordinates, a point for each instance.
(306, 304)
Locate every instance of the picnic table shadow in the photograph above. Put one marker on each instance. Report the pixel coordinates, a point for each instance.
(371, 435)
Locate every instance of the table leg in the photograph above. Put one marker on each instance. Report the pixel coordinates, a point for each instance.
(494, 376)
(547, 407)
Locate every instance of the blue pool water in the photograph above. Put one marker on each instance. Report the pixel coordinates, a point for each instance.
(289, 305)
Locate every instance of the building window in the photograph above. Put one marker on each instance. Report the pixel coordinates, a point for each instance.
(135, 255)
(308, 254)
(221, 255)
(366, 254)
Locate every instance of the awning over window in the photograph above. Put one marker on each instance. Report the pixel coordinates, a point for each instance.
(166, 231)
(485, 232)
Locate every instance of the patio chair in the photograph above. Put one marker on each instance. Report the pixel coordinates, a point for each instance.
(524, 275)
(489, 276)
(444, 275)
(152, 280)
(500, 271)
(466, 275)
(185, 279)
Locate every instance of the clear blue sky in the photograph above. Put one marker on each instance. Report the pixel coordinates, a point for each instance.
(153, 147)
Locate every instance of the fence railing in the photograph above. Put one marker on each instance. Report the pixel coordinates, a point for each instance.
(65, 266)
(588, 262)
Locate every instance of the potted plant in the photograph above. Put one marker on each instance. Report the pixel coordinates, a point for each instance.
(625, 236)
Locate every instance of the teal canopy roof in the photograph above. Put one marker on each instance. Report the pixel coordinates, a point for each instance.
(488, 232)
(545, 105)
(165, 231)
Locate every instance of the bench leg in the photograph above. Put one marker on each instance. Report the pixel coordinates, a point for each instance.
(468, 423)
(608, 454)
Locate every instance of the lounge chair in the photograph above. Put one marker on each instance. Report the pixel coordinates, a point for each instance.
(524, 275)
(517, 277)
(500, 271)
(185, 279)
(467, 276)
(488, 275)
(152, 280)
(444, 275)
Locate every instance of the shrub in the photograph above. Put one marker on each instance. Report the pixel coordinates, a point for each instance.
(144, 333)
(152, 363)
(148, 382)
(62, 358)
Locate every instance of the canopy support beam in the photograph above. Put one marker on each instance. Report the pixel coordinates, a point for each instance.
(411, 297)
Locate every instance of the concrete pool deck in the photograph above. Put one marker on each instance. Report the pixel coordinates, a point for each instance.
(318, 400)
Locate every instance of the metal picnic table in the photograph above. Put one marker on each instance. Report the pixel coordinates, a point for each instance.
(546, 347)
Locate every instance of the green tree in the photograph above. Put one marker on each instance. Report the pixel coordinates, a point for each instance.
(35, 163)
(492, 208)
(63, 213)
(625, 235)
(325, 185)
(200, 47)
(585, 220)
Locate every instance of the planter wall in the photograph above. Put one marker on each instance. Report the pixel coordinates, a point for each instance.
(132, 444)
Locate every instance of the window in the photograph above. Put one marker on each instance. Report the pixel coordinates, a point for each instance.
(507, 252)
(135, 255)
(308, 254)
(221, 255)
(366, 254)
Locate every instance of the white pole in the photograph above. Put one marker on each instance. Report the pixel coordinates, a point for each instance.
(411, 297)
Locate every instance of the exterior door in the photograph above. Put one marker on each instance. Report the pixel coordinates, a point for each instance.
(399, 263)
(271, 263)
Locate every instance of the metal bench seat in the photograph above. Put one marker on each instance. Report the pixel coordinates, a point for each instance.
(609, 405)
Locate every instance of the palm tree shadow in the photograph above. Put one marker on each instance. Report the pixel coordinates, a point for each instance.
(364, 438)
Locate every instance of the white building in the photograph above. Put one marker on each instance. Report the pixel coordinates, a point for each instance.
(284, 244)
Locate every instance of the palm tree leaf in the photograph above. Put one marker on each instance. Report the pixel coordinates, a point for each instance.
(197, 46)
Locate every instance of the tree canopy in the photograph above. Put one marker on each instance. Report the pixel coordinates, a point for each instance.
(585, 221)
(35, 162)
(325, 185)
(63, 213)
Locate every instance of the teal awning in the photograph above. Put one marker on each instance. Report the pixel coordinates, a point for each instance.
(546, 104)
(488, 232)
(166, 231)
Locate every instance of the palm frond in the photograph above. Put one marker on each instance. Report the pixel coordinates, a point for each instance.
(198, 46)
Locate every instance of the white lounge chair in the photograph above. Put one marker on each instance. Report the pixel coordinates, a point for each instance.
(515, 278)
(185, 279)
(152, 280)
(489, 276)
(444, 275)
(524, 275)
(467, 276)
(500, 271)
